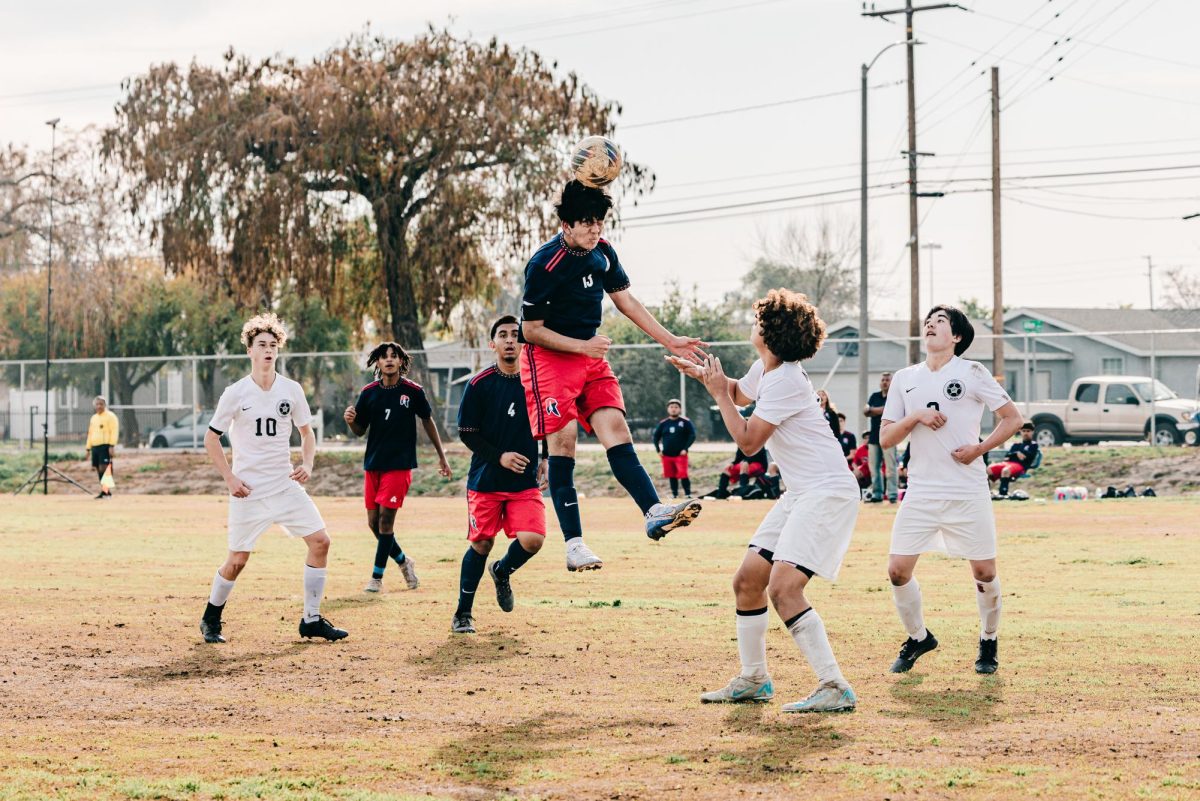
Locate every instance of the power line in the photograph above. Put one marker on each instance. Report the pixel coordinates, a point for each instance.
(594, 31)
(1173, 217)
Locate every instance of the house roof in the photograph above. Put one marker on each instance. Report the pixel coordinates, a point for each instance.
(1086, 320)
(980, 350)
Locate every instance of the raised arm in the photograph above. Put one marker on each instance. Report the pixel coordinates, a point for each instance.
(688, 348)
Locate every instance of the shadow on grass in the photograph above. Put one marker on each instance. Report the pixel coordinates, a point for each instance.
(786, 744)
(207, 660)
(495, 754)
(950, 708)
(350, 602)
(465, 651)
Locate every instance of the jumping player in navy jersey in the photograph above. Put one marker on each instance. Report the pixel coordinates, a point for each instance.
(672, 438)
(502, 488)
(386, 411)
(565, 373)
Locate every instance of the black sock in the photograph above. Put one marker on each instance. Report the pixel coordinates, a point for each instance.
(723, 483)
(516, 556)
(473, 564)
(743, 481)
(687, 485)
(396, 553)
(213, 613)
(384, 543)
(562, 493)
(674, 487)
(1003, 485)
(632, 476)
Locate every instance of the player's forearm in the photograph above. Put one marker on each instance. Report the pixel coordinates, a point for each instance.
(432, 431)
(640, 316)
(308, 448)
(479, 445)
(216, 454)
(892, 434)
(543, 337)
(358, 428)
(1005, 428)
(735, 424)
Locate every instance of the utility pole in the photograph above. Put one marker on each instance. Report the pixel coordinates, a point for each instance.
(914, 256)
(1153, 353)
(1150, 278)
(997, 281)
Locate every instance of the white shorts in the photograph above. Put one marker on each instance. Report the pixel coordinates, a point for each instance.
(809, 530)
(963, 528)
(292, 509)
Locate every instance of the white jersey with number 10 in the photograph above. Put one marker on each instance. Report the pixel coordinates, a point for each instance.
(259, 423)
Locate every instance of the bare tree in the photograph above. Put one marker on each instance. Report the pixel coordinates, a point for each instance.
(1183, 289)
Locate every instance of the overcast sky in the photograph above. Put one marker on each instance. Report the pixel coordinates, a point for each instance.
(1124, 101)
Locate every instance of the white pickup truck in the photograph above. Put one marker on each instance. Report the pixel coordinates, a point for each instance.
(1113, 407)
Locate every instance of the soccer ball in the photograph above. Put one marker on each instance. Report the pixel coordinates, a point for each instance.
(596, 161)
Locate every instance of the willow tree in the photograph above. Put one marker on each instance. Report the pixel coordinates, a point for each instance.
(252, 172)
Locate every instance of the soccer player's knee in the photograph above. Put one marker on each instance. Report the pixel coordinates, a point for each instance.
(744, 584)
(533, 544)
(898, 575)
(482, 547)
(984, 574)
(318, 543)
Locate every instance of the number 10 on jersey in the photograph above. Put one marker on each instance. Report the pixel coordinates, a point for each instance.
(271, 426)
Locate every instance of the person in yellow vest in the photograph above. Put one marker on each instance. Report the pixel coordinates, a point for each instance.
(103, 430)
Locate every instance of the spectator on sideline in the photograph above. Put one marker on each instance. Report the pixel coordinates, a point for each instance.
(883, 460)
(103, 430)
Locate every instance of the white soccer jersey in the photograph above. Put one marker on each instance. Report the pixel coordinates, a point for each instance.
(809, 456)
(960, 390)
(259, 423)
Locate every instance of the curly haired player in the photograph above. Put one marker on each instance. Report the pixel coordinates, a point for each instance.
(566, 375)
(808, 530)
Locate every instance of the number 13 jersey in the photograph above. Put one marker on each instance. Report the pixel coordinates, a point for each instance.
(259, 423)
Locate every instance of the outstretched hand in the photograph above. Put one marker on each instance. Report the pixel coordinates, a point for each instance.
(687, 367)
(687, 348)
(715, 380)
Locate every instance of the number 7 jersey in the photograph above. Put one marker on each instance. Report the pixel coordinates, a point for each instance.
(259, 423)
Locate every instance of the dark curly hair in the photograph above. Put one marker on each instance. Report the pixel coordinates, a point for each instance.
(581, 202)
(381, 351)
(790, 326)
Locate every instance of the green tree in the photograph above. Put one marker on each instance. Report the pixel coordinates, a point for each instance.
(451, 147)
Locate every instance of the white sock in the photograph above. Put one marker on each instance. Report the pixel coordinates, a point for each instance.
(752, 642)
(314, 591)
(908, 603)
(988, 598)
(809, 634)
(221, 587)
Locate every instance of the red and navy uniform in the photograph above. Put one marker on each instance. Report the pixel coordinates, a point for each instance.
(390, 416)
(564, 289)
(491, 422)
(1016, 466)
(756, 465)
(674, 436)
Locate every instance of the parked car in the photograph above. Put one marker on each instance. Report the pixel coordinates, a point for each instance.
(1114, 407)
(1192, 437)
(179, 433)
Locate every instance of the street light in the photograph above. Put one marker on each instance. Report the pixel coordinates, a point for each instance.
(863, 323)
(931, 246)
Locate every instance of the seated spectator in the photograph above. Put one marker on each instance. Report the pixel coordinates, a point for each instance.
(1020, 455)
(742, 469)
(860, 464)
(847, 438)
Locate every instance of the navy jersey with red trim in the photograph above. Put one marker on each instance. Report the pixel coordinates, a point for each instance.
(674, 435)
(493, 404)
(565, 288)
(390, 415)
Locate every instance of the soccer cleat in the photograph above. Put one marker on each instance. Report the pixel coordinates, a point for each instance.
(987, 661)
(664, 518)
(374, 585)
(741, 690)
(580, 557)
(321, 628)
(211, 629)
(504, 593)
(913, 649)
(410, 573)
(828, 697)
(463, 624)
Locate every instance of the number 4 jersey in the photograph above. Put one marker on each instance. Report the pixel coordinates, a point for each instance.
(390, 416)
(260, 423)
(493, 404)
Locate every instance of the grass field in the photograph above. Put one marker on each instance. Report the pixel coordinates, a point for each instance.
(589, 689)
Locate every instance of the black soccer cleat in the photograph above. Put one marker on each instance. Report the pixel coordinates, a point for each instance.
(912, 650)
(211, 629)
(321, 628)
(463, 624)
(504, 593)
(987, 661)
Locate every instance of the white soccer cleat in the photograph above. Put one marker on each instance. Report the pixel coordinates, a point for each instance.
(580, 557)
(374, 585)
(410, 573)
(741, 690)
(828, 697)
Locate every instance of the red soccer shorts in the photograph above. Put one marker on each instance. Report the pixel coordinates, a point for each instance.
(1014, 469)
(752, 469)
(386, 487)
(489, 512)
(561, 387)
(675, 466)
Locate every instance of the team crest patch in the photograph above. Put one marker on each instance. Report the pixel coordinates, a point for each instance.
(284, 408)
(404, 401)
(954, 389)
(552, 407)
(474, 523)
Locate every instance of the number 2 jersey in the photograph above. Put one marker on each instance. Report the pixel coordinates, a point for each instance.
(959, 390)
(493, 404)
(259, 422)
(390, 415)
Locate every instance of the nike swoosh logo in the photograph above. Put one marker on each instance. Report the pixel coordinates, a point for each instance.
(910, 389)
(571, 504)
(246, 408)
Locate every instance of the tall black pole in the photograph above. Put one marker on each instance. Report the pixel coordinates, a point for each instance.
(49, 291)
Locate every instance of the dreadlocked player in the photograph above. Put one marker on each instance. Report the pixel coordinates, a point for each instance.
(386, 411)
